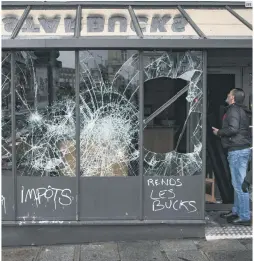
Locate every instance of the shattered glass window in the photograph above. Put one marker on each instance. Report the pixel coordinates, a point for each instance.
(45, 113)
(109, 112)
(6, 115)
(173, 113)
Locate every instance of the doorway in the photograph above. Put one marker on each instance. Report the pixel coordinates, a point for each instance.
(218, 179)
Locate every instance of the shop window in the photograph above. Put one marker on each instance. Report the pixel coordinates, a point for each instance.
(173, 113)
(109, 112)
(45, 114)
(6, 115)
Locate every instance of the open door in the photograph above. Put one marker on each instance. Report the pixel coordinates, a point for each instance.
(218, 180)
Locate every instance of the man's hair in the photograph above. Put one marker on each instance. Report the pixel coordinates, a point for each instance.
(239, 95)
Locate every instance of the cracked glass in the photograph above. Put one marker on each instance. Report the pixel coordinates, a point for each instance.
(6, 115)
(173, 113)
(109, 112)
(45, 113)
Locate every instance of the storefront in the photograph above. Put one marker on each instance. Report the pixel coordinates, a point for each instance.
(104, 115)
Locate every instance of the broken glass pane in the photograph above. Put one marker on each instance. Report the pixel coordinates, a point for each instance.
(45, 113)
(183, 68)
(6, 114)
(109, 111)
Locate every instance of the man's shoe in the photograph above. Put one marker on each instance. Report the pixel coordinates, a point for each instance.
(240, 222)
(226, 215)
(231, 218)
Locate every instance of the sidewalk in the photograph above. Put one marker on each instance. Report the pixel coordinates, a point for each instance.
(166, 250)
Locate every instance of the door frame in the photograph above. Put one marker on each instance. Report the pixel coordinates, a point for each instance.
(228, 70)
(237, 71)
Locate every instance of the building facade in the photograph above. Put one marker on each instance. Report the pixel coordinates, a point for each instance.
(107, 117)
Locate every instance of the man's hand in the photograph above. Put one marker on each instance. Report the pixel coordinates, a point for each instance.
(215, 131)
(245, 186)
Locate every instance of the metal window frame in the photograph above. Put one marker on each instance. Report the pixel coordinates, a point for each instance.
(122, 43)
(20, 22)
(75, 44)
(180, 6)
(240, 18)
(141, 134)
(204, 128)
(77, 131)
(124, 3)
(106, 43)
(13, 133)
(191, 22)
(78, 22)
(135, 22)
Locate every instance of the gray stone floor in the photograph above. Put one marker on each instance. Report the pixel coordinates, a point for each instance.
(166, 250)
(218, 228)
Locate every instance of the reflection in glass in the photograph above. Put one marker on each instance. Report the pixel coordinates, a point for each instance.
(6, 114)
(45, 113)
(109, 108)
(173, 137)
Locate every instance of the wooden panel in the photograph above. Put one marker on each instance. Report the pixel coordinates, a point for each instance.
(159, 139)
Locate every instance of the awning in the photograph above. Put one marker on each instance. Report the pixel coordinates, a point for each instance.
(121, 21)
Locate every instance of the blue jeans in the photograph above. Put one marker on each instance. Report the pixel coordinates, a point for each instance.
(238, 163)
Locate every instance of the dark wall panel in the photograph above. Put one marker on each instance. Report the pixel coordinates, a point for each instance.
(46, 198)
(173, 198)
(109, 198)
(7, 198)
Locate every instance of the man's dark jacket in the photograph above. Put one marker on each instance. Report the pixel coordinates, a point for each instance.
(235, 132)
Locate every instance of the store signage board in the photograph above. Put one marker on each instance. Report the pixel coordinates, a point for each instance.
(97, 22)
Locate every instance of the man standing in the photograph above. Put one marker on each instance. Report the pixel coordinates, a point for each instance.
(236, 139)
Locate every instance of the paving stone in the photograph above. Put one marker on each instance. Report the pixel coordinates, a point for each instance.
(246, 242)
(19, 254)
(230, 256)
(57, 253)
(141, 250)
(192, 255)
(177, 245)
(222, 244)
(99, 252)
